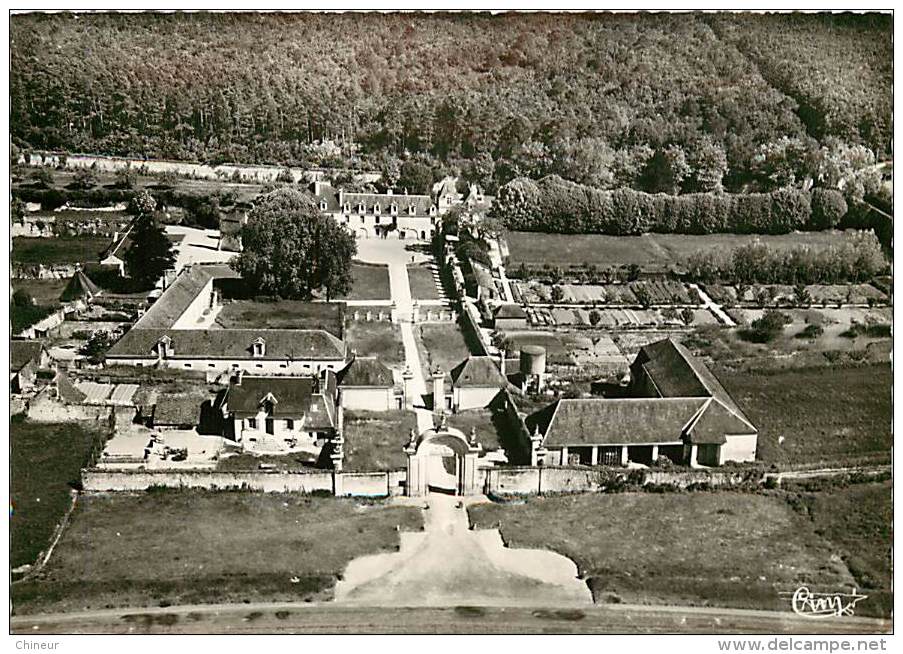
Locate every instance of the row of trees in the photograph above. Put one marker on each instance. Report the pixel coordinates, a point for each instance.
(593, 98)
(857, 259)
(556, 205)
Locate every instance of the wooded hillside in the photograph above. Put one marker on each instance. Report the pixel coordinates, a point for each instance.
(515, 94)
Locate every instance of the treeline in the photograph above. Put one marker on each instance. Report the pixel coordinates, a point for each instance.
(591, 97)
(858, 258)
(556, 205)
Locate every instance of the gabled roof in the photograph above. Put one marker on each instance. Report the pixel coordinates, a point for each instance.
(600, 421)
(714, 422)
(367, 372)
(509, 310)
(291, 396)
(421, 203)
(477, 372)
(181, 293)
(281, 344)
(79, 286)
(21, 353)
(677, 373)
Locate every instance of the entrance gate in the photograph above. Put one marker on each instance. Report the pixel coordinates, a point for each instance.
(442, 460)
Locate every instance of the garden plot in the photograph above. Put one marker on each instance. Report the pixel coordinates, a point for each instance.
(632, 293)
(617, 318)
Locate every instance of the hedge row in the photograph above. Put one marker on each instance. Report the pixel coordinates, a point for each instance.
(555, 205)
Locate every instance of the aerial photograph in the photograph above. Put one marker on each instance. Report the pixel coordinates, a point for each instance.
(442, 323)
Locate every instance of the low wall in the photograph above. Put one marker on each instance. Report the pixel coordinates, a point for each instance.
(269, 482)
(549, 479)
(356, 484)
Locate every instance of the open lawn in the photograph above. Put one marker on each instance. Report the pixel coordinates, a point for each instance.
(284, 314)
(45, 462)
(370, 282)
(374, 440)
(44, 291)
(58, 250)
(858, 519)
(423, 284)
(824, 414)
(376, 339)
(648, 250)
(440, 344)
(180, 547)
(722, 549)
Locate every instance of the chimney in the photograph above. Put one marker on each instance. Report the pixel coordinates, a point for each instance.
(502, 355)
(238, 377)
(389, 191)
(341, 198)
(438, 390)
(318, 187)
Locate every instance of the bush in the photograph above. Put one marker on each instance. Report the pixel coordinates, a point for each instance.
(767, 328)
(811, 332)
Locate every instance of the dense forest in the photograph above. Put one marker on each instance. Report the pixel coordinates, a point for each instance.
(607, 100)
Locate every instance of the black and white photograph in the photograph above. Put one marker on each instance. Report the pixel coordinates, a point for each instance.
(445, 321)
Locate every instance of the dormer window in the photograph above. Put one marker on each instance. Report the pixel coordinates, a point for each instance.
(433, 210)
(346, 208)
(376, 209)
(393, 209)
(411, 210)
(259, 347)
(323, 205)
(164, 347)
(361, 208)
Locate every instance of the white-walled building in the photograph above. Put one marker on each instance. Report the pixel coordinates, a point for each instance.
(380, 215)
(679, 411)
(368, 384)
(281, 413)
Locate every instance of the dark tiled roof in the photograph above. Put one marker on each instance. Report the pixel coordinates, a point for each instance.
(510, 311)
(281, 344)
(421, 203)
(367, 371)
(178, 410)
(677, 373)
(600, 421)
(22, 353)
(715, 422)
(480, 372)
(292, 395)
(175, 300)
(79, 286)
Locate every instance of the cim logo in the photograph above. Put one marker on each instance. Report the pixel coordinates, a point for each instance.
(809, 604)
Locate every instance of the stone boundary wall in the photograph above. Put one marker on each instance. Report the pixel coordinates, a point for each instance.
(355, 484)
(553, 479)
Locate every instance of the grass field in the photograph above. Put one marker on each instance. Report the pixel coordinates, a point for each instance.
(285, 314)
(45, 460)
(180, 547)
(858, 519)
(423, 285)
(371, 282)
(376, 339)
(374, 440)
(723, 549)
(490, 429)
(44, 291)
(649, 250)
(58, 250)
(825, 414)
(440, 344)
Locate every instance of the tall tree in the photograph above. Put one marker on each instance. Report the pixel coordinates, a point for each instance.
(150, 254)
(293, 251)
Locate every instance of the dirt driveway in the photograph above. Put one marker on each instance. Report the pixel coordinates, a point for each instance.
(449, 564)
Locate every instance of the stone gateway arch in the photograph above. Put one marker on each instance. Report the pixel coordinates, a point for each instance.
(442, 459)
